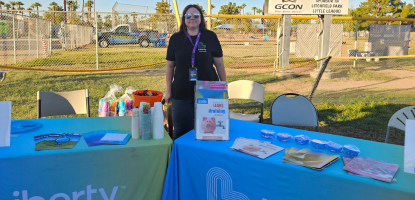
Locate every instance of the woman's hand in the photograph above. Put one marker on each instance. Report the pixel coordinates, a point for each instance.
(167, 97)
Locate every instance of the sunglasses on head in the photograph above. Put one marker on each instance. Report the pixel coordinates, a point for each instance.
(189, 15)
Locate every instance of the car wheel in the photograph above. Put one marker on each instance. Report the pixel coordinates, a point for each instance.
(145, 43)
(103, 43)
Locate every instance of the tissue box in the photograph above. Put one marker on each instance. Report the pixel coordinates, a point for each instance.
(211, 110)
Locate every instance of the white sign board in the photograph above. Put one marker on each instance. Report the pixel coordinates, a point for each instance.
(409, 159)
(5, 122)
(308, 7)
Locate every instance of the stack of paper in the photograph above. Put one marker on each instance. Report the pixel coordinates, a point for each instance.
(367, 167)
(308, 158)
(257, 148)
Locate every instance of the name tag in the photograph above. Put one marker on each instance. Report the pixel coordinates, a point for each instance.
(193, 74)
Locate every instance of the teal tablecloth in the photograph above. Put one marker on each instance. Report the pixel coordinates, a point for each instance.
(110, 172)
(210, 170)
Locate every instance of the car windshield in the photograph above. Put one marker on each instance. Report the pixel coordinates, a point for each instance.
(111, 30)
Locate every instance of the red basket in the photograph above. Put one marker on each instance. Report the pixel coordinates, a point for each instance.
(148, 99)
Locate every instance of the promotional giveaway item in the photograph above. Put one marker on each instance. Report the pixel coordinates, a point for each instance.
(56, 141)
(211, 110)
(135, 123)
(145, 122)
(372, 168)
(24, 125)
(125, 102)
(104, 137)
(5, 122)
(108, 106)
(158, 122)
(409, 159)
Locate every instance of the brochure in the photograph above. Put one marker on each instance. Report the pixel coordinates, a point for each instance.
(257, 148)
(104, 137)
(372, 168)
(347, 159)
(5, 122)
(211, 110)
(56, 141)
(409, 158)
(308, 158)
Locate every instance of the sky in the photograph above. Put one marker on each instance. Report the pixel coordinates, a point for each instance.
(106, 5)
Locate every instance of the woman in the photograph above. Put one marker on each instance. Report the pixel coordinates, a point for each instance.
(193, 40)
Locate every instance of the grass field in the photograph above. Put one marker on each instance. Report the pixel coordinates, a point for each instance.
(354, 113)
(357, 103)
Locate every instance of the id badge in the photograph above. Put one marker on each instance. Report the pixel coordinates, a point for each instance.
(193, 74)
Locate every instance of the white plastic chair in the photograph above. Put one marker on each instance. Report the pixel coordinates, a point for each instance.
(398, 119)
(245, 89)
(293, 111)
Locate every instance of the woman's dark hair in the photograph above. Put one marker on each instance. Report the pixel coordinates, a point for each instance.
(202, 25)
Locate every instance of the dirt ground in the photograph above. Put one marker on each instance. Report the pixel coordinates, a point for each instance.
(404, 80)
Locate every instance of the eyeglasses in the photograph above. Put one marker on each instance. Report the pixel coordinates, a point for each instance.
(189, 15)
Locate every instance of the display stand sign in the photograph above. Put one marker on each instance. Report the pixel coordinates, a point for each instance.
(5, 122)
(211, 110)
(308, 7)
(409, 159)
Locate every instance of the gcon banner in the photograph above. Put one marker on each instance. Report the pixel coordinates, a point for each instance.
(308, 7)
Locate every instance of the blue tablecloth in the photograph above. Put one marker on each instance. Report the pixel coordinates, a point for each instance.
(210, 170)
(110, 172)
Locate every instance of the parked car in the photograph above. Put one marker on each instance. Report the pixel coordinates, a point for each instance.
(127, 34)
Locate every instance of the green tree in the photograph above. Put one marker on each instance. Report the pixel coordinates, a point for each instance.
(378, 9)
(7, 6)
(89, 4)
(19, 3)
(12, 3)
(243, 8)
(54, 5)
(36, 5)
(56, 18)
(108, 21)
(254, 8)
(162, 7)
(1, 4)
(203, 10)
(230, 9)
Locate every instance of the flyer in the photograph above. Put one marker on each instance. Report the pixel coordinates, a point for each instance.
(409, 158)
(211, 110)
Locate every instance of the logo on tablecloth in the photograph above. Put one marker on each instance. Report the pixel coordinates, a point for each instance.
(227, 192)
(74, 195)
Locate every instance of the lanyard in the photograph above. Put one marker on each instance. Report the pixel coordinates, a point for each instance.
(194, 47)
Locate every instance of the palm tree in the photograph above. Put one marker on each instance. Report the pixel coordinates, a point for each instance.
(8, 6)
(12, 3)
(29, 9)
(19, 3)
(1, 4)
(89, 4)
(243, 8)
(254, 8)
(53, 4)
(37, 5)
(259, 11)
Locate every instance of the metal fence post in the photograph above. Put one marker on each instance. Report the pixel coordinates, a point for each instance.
(28, 37)
(96, 39)
(355, 44)
(37, 39)
(14, 41)
(50, 37)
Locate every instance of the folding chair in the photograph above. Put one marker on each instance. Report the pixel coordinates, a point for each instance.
(293, 111)
(62, 103)
(245, 89)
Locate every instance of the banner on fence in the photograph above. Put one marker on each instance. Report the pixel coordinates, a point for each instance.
(307, 7)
